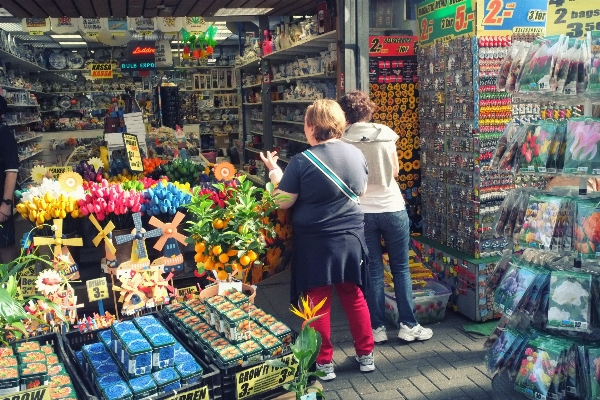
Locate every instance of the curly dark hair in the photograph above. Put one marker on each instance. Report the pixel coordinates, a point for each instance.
(357, 106)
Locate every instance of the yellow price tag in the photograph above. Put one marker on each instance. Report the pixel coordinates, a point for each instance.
(197, 394)
(28, 285)
(36, 33)
(97, 289)
(262, 377)
(91, 34)
(187, 291)
(574, 18)
(56, 171)
(132, 149)
(145, 33)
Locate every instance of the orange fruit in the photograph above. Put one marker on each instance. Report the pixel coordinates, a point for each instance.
(209, 263)
(218, 223)
(219, 266)
(217, 250)
(236, 267)
(200, 247)
(244, 260)
(199, 257)
(223, 257)
(253, 256)
(222, 275)
(232, 252)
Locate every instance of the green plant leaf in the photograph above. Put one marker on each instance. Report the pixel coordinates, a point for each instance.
(53, 306)
(11, 286)
(20, 328)
(10, 308)
(276, 363)
(313, 358)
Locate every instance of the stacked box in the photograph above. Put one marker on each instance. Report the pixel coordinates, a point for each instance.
(209, 306)
(106, 338)
(9, 380)
(227, 355)
(196, 306)
(116, 330)
(251, 352)
(272, 347)
(33, 375)
(167, 380)
(107, 380)
(208, 337)
(142, 387)
(236, 325)
(88, 352)
(66, 392)
(239, 299)
(257, 314)
(136, 353)
(163, 345)
(190, 372)
(218, 314)
(282, 332)
(117, 391)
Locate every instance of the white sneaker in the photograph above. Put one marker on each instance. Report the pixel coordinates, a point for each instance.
(417, 332)
(328, 370)
(379, 335)
(367, 362)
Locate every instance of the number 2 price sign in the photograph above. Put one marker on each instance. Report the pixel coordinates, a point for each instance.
(445, 19)
(501, 17)
(574, 18)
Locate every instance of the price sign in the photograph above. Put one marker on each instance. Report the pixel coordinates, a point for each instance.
(197, 394)
(97, 289)
(91, 34)
(40, 393)
(36, 33)
(572, 17)
(444, 20)
(56, 171)
(28, 285)
(392, 46)
(262, 377)
(132, 149)
(102, 71)
(501, 17)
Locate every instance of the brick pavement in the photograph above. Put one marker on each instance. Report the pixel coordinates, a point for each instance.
(448, 366)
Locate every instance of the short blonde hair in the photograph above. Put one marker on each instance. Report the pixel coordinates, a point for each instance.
(327, 118)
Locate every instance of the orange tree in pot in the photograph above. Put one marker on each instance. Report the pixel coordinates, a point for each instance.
(230, 227)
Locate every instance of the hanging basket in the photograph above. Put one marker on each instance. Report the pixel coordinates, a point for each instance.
(213, 290)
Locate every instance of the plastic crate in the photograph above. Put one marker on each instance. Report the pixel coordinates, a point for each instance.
(75, 340)
(228, 382)
(55, 341)
(427, 309)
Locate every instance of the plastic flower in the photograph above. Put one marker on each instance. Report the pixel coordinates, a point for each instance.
(48, 281)
(38, 173)
(307, 311)
(70, 181)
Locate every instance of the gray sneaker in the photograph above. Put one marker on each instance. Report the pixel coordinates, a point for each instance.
(367, 362)
(417, 332)
(379, 335)
(328, 370)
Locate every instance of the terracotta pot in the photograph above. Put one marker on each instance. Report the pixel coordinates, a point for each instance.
(211, 291)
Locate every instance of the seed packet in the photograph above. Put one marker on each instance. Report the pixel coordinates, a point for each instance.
(507, 160)
(509, 132)
(556, 156)
(504, 70)
(502, 215)
(583, 68)
(593, 357)
(533, 152)
(538, 367)
(534, 295)
(513, 287)
(546, 223)
(583, 138)
(561, 66)
(586, 229)
(495, 356)
(539, 63)
(501, 266)
(593, 40)
(516, 67)
(569, 303)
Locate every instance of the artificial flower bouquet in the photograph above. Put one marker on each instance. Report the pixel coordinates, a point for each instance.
(583, 138)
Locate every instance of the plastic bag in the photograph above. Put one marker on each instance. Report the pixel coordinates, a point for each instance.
(556, 156)
(509, 132)
(534, 151)
(535, 75)
(569, 304)
(501, 218)
(504, 70)
(496, 276)
(586, 229)
(561, 67)
(512, 288)
(593, 42)
(545, 222)
(507, 160)
(539, 373)
(517, 66)
(495, 356)
(583, 139)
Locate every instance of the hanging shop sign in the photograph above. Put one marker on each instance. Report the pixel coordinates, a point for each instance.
(442, 20)
(392, 46)
(116, 26)
(64, 25)
(196, 25)
(574, 18)
(90, 27)
(28, 285)
(163, 55)
(501, 17)
(169, 24)
(36, 26)
(142, 25)
(142, 50)
(138, 66)
(262, 377)
(101, 71)
(132, 149)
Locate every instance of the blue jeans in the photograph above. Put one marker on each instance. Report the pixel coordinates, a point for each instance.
(394, 227)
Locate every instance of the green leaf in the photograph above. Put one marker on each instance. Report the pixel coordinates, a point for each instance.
(313, 358)
(270, 187)
(276, 363)
(20, 327)
(317, 374)
(11, 286)
(9, 307)
(53, 306)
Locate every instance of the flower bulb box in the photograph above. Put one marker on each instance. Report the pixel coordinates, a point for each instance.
(235, 324)
(239, 299)
(251, 352)
(167, 380)
(117, 391)
(9, 380)
(282, 332)
(91, 353)
(190, 372)
(219, 314)
(210, 304)
(429, 304)
(132, 350)
(33, 375)
(143, 387)
(163, 346)
(198, 329)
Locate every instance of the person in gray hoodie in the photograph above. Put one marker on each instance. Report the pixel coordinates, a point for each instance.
(385, 216)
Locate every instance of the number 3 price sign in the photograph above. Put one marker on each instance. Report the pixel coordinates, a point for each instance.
(574, 18)
(501, 17)
(444, 20)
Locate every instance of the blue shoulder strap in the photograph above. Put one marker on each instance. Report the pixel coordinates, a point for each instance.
(331, 175)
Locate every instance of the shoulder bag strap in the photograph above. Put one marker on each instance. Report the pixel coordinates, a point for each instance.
(331, 175)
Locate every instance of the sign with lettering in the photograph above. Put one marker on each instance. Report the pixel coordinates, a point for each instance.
(56, 171)
(196, 394)
(138, 66)
(28, 285)
(102, 71)
(39, 393)
(141, 50)
(384, 46)
(442, 20)
(574, 18)
(97, 289)
(132, 149)
(501, 17)
(262, 377)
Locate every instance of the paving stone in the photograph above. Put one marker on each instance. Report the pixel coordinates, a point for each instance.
(335, 384)
(333, 396)
(405, 373)
(423, 384)
(376, 376)
(412, 393)
(436, 377)
(348, 394)
(382, 363)
(390, 353)
(393, 384)
(362, 385)
(449, 394)
(388, 394)
(483, 381)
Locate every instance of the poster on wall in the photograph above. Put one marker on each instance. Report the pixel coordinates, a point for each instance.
(64, 25)
(524, 17)
(393, 88)
(574, 18)
(163, 56)
(442, 20)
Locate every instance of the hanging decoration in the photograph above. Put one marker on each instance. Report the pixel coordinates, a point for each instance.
(196, 25)
(90, 27)
(163, 56)
(38, 173)
(64, 25)
(167, 243)
(143, 289)
(169, 25)
(62, 261)
(138, 236)
(36, 26)
(142, 26)
(115, 32)
(198, 45)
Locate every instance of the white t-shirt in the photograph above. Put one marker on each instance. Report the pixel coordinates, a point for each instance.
(380, 199)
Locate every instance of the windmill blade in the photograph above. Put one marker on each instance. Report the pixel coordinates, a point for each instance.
(153, 233)
(160, 243)
(128, 237)
(137, 221)
(177, 220)
(95, 222)
(41, 240)
(179, 237)
(141, 249)
(59, 225)
(157, 223)
(73, 242)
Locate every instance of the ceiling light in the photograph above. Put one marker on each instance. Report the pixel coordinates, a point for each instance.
(75, 43)
(226, 12)
(66, 36)
(4, 13)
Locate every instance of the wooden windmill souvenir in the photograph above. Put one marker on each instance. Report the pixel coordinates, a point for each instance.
(105, 234)
(139, 255)
(134, 294)
(168, 242)
(159, 286)
(62, 261)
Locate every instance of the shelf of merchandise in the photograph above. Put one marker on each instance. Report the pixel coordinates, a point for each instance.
(256, 132)
(253, 150)
(283, 121)
(20, 63)
(23, 105)
(212, 121)
(289, 138)
(252, 104)
(311, 45)
(31, 155)
(24, 123)
(254, 85)
(28, 139)
(207, 90)
(307, 76)
(198, 67)
(108, 91)
(216, 108)
(293, 101)
(7, 87)
(249, 64)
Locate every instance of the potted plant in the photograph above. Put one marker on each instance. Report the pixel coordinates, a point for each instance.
(305, 349)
